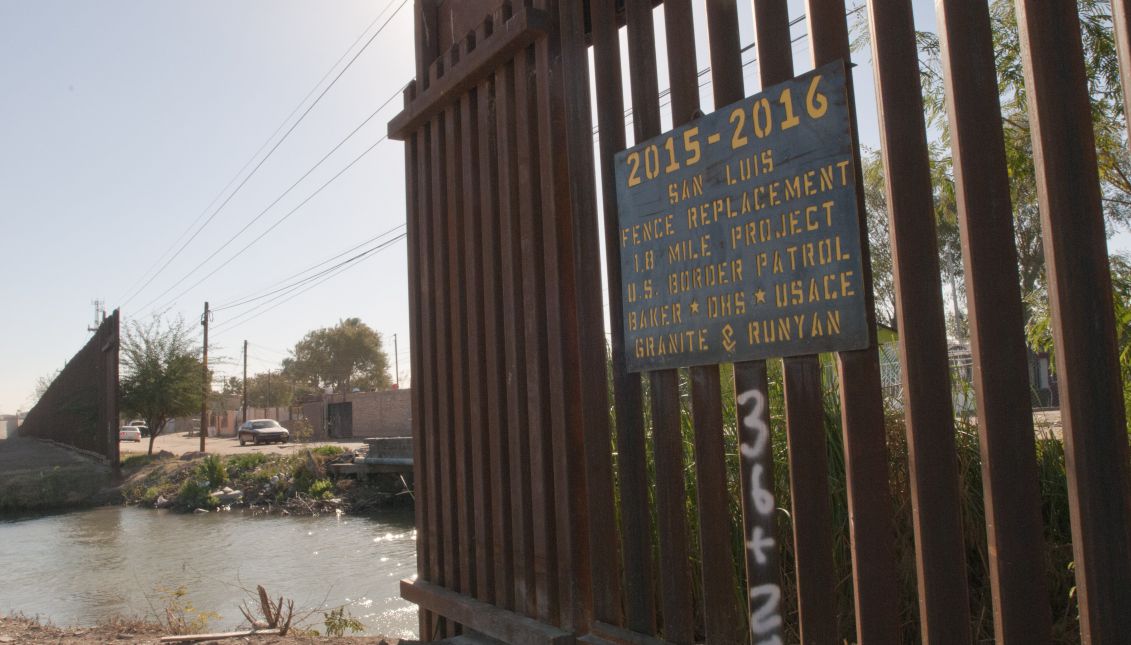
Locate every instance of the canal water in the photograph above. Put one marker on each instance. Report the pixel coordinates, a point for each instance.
(84, 567)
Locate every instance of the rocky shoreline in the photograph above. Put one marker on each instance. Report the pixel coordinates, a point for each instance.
(298, 483)
(37, 477)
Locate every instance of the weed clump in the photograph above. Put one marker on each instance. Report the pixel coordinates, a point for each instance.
(213, 470)
(337, 621)
(195, 494)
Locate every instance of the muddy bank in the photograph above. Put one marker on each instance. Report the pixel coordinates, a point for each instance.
(270, 483)
(38, 476)
(20, 629)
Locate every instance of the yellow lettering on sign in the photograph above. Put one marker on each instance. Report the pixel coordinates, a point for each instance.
(685, 189)
(786, 328)
(711, 275)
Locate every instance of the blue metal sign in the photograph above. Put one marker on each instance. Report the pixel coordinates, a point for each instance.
(739, 232)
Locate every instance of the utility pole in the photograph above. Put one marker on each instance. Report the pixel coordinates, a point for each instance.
(270, 401)
(99, 314)
(206, 381)
(245, 381)
(396, 362)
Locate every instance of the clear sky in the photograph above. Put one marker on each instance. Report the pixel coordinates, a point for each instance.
(122, 120)
(126, 124)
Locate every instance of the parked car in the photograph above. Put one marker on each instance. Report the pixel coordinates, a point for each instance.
(140, 425)
(129, 433)
(262, 431)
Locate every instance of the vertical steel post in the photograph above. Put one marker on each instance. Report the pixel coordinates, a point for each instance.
(245, 381)
(1083, 325)
(205, 381)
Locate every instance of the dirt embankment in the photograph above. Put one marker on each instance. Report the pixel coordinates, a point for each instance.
(39, 475)
(298, 482)
(19, 629)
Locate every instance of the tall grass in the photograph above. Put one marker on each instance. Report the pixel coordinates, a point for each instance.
(1054, 502)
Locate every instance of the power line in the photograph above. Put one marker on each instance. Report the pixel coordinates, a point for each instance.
(273, 226)
(272, 350)
(706, 70)
(270, 206)
(232, 324)
(259, 295)
(315, 276)
(277, 143)
(247, 317)
(262, 147)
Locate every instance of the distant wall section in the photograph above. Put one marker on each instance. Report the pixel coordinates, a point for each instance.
(361, 414)
(80, 407)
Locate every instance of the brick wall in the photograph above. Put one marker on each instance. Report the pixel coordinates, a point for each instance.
(382, 414)
(375, 414)
(315, 413)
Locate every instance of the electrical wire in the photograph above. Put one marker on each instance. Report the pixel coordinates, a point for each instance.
(259, 295)
(274, 147)
(262, 147)
(286, 297)
(275, 225)
(705, 70)
(263, 212)
(293, 285)
(318, 278)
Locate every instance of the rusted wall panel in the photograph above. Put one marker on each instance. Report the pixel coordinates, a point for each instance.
(80, 406)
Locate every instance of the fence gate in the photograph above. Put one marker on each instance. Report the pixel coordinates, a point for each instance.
(543, 517)
(340, 423)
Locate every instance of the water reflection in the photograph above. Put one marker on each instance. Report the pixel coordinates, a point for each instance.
(79, 568)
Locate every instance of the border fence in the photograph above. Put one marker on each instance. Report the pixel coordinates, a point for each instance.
(80, 407)
(544, 518)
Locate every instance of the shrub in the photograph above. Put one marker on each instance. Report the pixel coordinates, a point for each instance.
(337, 621)
(239, 464)
(301, 430)
(322, 488)
(181, 617)
(328, 451)
(196, 494)
(213, 469)
(151, 494)
(134, 462)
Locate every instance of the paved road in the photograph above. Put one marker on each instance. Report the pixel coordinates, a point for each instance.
(179, 443)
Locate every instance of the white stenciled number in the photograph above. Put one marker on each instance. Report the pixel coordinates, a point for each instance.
(754, 422)
(758, 543)
(766, 617)
(762, 498)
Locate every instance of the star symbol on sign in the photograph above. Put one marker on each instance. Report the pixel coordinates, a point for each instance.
(695, 306)
(760, 297)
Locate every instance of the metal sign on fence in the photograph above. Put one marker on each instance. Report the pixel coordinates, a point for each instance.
(739, 232)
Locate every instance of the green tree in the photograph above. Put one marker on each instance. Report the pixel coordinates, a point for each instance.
(233, 385)
(1109, 123)
(162, 374)
(269, 390)
(42, 384)
(346, 356)
(946, 222)
(1039, 328)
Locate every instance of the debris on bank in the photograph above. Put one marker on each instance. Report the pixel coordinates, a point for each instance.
(22, 629)
(298, 483)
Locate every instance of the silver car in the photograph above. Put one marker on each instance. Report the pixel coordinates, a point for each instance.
(262, 431)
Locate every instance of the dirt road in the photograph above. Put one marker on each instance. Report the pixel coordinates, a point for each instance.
(180, 443)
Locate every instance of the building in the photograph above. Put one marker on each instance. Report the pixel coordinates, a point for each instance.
(361, 414)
